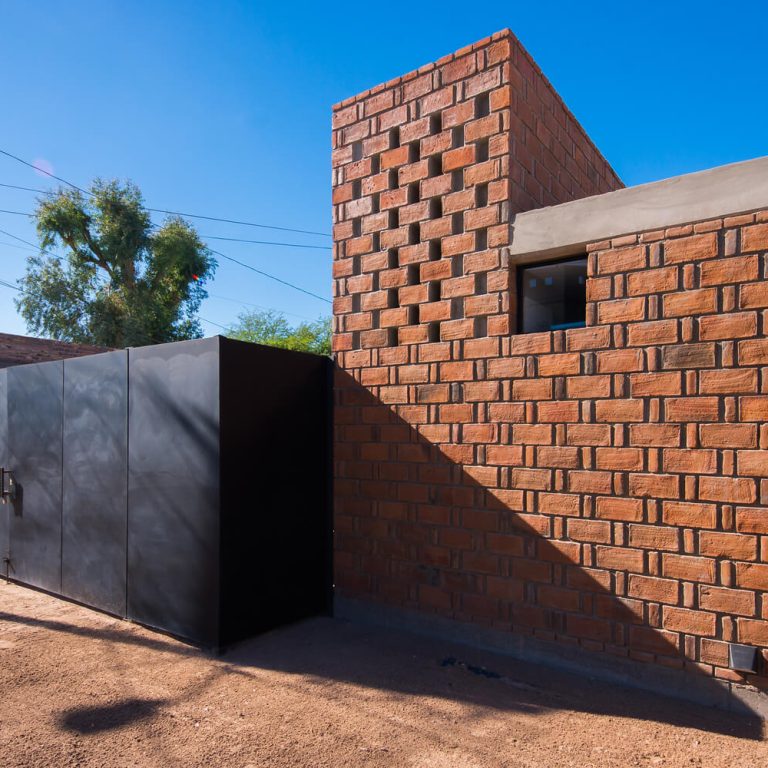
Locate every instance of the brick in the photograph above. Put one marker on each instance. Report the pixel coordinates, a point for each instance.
(752, 576)
(724, 600)
(619, 459)
(655, 384)
(559, 365)
(691, 409)
(689, 514)
(755, 238)
(589, 434)
(752, 632)
(688, 621)
(655, 589)
(687, 249)
(753, 408)
(532, 434)
(557, 411)
(732, 490)
(504, 455)
(654, 537)
(728, 381)
(688, 356)
(660, 486)
(656, 332)
(653, 640)
(589, 530)
(753, 463)
(559, 504)
(654, 435)
(585, 481)
(736, 325)
(753, 352)
(728, 435)
(621, 310)
(752, 520)
(733, 545)
(619, 410)
(620, 558)
(621, 260)
(689, 568)
(753, 296)
(532, 479)
(690, 461)
(735, 270)
(618, 508)
(653, 281)
(688, 303)
(620, 361)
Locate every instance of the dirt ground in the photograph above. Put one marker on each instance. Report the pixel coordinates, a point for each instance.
(78, 688)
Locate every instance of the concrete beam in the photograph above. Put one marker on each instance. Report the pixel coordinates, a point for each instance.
(564, 230)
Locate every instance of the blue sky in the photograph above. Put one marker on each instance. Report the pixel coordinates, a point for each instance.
(223, 108)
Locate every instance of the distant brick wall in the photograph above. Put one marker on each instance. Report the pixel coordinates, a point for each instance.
(599, 487)
(17, 350)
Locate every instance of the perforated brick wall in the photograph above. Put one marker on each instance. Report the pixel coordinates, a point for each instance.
(427, 170)
(598, 487)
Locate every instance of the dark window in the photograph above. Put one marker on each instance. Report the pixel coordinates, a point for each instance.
(552, 296)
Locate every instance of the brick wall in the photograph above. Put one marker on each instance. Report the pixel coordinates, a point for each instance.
(427, 170)
(598, 487)
(17, 350)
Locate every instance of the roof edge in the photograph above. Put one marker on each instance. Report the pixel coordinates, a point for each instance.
(567, 228)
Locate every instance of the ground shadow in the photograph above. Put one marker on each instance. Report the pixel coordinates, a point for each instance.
(425, 522)
(87, 720)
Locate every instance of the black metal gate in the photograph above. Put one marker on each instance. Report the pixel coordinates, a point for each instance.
(185, 486)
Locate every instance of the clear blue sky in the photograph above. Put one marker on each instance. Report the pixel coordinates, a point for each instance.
(223, 108)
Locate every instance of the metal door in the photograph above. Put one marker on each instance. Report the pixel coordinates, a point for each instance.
(5, 509)
(173, 488)
(34, 449)
(95, 455)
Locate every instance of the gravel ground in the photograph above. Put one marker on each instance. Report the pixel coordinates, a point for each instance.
(82, 689)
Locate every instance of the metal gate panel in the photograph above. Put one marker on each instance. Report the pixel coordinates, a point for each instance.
(34, 447)
(95, 492)
(5, 509)
(173, 488)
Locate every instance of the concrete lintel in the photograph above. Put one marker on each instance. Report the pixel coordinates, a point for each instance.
(562, 230)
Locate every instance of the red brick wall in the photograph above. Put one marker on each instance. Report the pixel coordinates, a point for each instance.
(427, 170)
(598, 487)
(17, 350)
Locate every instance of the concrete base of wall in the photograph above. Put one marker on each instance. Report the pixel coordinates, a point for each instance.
(668, 682)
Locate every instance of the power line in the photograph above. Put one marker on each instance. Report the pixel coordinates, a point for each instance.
(11, 285)
(216, 237)
(21, 290)
(218, 253)
(266, 274)
(42, 170)
(218, 325)
(242, 223)
(156, 210)
(26, 189)
(266, 242)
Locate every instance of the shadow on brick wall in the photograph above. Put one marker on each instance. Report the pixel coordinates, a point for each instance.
(419, 528)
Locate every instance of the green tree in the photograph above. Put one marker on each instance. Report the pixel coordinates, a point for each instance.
(271, 328)
(121, 281)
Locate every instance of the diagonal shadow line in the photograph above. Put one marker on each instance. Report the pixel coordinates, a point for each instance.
(417, 527)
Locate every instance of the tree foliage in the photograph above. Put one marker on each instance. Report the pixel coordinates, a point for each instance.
(120, 281)
(271, 328)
